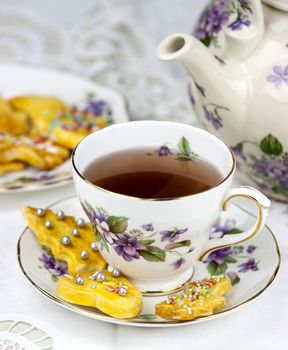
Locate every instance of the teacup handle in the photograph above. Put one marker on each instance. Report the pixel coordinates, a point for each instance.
(263, 204)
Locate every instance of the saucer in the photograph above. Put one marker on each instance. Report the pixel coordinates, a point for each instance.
(251, 266)
(25, 80)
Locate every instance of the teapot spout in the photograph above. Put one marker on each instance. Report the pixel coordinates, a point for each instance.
(203, 67)
(220, 88)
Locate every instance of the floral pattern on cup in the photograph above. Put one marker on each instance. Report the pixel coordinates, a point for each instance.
(146, 242)
(232, 260)
(267, 164)
(234, 14)
(279, 77)
(182, 152)
(238, 258)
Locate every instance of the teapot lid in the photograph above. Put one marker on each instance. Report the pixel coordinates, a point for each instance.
(279, 4)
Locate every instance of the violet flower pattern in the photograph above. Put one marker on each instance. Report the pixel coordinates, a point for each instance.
(95, 107)
(220, 229)
(251, 248)
(178, 263)
(229, 260)
(148, 227)
(145, 242)
(266, 163)
(233, 14)
(46, 176)
(212, 21)
(219, 255)
(98, 107)
(279, 77)
(215, 120)
(248, 265)
(172, 235)
(55, 267)
(240, 23)
(238, 151)
(164, 151)
(128, 246)
(211, 111)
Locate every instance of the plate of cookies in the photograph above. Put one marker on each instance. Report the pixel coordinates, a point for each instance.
(44, 114)
(58, 254)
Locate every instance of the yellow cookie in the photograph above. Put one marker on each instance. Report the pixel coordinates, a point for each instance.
(67, 138)
(15, 123)
(114, 296)
(13, 166)
(4, 106)
(41, 109)
(69, 240)
(197, 299)
(40, 152)
(70, 128)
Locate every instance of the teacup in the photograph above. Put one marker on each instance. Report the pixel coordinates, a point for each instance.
(156, 242)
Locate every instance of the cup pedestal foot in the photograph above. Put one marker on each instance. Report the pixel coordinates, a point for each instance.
(163, 286)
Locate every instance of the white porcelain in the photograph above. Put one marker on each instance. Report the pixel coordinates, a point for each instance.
(237, 61)
(253, 268)
(22, 79)
(157, 242)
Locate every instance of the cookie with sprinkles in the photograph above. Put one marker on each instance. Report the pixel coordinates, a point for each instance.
(40, 109)
(198, 298)
(115, 296)
(71, 127)
(39, 152)
(70, 239)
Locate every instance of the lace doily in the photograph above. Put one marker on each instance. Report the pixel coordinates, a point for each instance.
(108, 43)
(19, 332)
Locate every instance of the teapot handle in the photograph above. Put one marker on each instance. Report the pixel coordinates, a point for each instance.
(262, 203)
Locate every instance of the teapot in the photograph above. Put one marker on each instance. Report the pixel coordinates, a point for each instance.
(237, 62)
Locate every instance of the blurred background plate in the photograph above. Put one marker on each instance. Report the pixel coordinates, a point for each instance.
(72, 89)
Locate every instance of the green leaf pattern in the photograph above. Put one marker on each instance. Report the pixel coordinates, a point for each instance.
(183, 150)
(266, 164)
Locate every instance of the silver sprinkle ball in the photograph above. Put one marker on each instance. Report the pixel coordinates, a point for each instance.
(48, 224)
(65, 240)
(84, 254)
(40, 212)
(115, 272)
(79, 280)
(80, 222)
(100, 277)
(75, 231)
(60, 214)
(122, 291)
(93, 246)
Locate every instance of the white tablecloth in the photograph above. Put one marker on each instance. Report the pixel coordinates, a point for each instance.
(63, 34)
